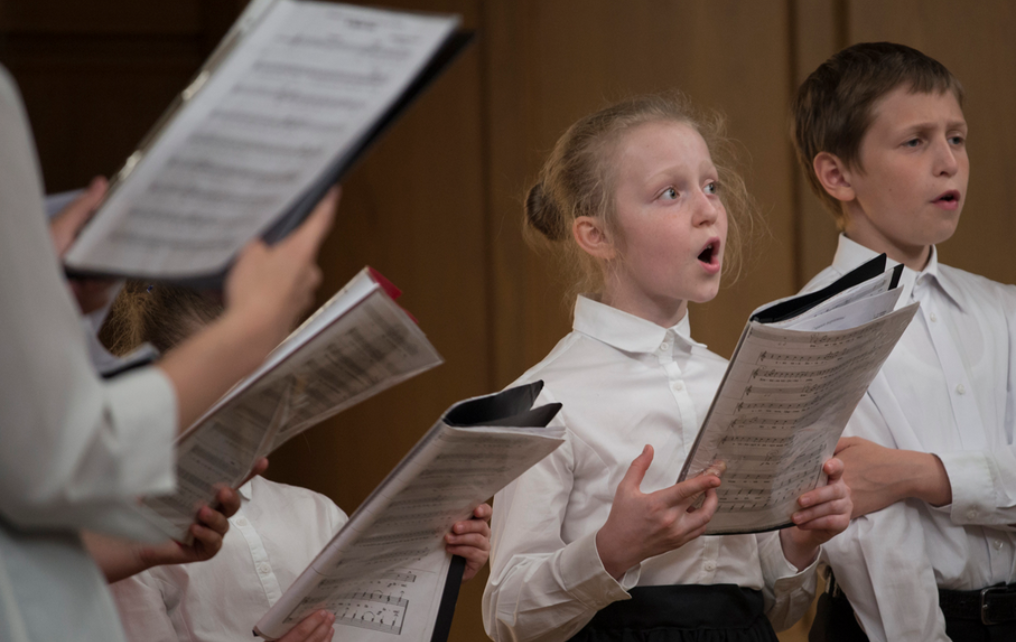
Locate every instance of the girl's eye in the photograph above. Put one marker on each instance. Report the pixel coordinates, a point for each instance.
(670, 193)
(712, 187)
(913, 142)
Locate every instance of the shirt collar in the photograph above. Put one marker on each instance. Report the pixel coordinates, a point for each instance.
(626, 331)
(850, 254)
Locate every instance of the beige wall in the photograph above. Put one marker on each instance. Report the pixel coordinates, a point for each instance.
(436, 206)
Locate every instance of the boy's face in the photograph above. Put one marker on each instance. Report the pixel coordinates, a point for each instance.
(913, 184)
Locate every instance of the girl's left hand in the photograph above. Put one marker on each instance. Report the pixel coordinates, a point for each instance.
(471, 539)
(825, 512)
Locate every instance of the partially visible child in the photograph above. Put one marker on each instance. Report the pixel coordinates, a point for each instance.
(276, 533)
(597, 542)
(931, 555)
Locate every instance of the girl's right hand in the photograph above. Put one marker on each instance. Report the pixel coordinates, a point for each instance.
(271, 286)
(643, 525)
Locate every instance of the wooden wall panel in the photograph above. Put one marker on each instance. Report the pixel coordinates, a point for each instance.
(818, 34)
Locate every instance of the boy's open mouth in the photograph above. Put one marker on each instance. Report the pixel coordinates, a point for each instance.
(951, 196)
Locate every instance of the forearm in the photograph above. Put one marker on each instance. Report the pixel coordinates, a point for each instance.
(203, 368)
(117, 558)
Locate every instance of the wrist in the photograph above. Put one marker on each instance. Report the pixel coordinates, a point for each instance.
(930, 483)
(797, 549)
(612, 555)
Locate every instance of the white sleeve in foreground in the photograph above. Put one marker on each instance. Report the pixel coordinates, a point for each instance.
(73, 446)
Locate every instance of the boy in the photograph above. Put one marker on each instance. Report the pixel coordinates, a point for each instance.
(879, 130)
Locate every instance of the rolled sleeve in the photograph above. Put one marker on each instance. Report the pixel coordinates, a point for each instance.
(788, 592)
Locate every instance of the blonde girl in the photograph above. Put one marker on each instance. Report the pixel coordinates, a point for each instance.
(597, 542)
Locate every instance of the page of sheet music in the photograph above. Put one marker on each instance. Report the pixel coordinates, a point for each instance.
(369, 349)
(780, 411)
(402, 524)
(305, 83)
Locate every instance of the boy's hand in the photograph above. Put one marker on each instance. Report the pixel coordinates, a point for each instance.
(471, 539)
(825, 512)
(880, 476)
(643, 525)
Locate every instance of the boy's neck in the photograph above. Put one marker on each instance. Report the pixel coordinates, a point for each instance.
(858, 230)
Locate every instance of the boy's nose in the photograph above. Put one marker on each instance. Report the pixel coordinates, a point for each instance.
(946, 162)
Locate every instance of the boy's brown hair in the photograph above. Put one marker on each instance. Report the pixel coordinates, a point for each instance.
(834, 105)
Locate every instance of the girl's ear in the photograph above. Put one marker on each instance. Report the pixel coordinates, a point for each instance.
(591, 236)
(834, 176)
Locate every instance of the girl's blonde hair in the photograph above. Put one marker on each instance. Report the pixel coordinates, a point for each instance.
(578, 179)
(162, 315)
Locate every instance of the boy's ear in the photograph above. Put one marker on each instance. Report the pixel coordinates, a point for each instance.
(834, 176)
(592, 238)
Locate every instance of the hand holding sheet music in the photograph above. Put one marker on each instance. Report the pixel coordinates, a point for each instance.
(382, 574)
(355, 346)
(281, 110)
(797, 374)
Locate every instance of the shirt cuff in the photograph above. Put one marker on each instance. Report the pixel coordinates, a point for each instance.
(973, 488)
(144, 408)
(584, 576)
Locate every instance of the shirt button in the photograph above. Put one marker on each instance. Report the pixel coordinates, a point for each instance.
(664, 346)
(971, 514)
(960, 390)
(709, 566)
(933, 317)
(678, 386)
(998, 544)
(264, 568)
(241, 521)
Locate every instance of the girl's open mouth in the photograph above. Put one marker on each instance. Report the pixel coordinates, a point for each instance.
(709, 257)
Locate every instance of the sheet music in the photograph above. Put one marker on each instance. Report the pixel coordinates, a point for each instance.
(402, 525)
(343, 355)
(305, 83)
(783, 403)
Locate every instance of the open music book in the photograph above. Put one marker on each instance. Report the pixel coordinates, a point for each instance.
(383, 572)
(288, 102)
(800, 368)
(356, 345)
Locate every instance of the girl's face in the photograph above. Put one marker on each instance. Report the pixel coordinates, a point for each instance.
(671, 224)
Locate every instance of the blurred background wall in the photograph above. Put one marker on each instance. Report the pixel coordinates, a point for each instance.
(436, 206)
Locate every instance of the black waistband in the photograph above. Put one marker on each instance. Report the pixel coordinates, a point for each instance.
(716, 606)
(992, 605)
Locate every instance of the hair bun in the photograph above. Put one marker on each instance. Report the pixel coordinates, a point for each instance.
(543, 215)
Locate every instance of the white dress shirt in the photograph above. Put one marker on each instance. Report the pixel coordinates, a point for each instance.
(74, 450)
(624, 382)
(277, 532)
(946, 389)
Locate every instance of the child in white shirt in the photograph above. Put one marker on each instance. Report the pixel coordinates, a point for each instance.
(596, 542)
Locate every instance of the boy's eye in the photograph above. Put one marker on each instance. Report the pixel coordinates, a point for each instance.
(670, 193)
(913, 142)
(956, 140)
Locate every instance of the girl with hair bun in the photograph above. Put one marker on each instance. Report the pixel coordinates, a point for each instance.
(597, 542)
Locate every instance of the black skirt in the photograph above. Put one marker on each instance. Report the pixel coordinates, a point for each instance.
(692, 613)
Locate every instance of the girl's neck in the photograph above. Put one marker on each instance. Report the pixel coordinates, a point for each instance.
(665, 313)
